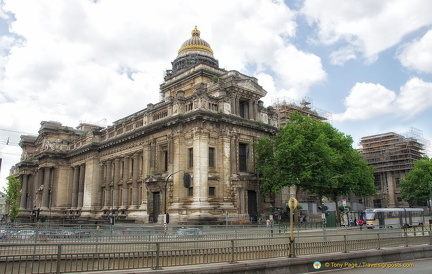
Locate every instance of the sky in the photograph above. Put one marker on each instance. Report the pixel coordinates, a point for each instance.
(366, 64)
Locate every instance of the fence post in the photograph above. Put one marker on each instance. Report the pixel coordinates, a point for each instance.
(379, 241)
(157, 266)
(430, 235)
(345, 244)
(59, 251)
(232, 252)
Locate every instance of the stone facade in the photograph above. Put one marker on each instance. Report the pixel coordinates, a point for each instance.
(205, 126)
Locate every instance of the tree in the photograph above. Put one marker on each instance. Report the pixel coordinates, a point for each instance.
(13, 196)
(315, 157)
(417, 185)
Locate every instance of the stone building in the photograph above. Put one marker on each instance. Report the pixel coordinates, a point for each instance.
(392, 156)
(205, 126)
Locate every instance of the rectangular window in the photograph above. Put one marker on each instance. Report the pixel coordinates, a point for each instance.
(377, 182)
(190, 153)
(243, 157)
(165, 154)
(243, 109)
(211, 157)
(212, 191)
(190, 191)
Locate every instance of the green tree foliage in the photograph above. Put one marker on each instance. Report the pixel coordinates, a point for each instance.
(315, 157)
(417, 184)
(13, 196)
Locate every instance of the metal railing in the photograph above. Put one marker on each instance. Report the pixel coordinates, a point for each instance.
(63, 257)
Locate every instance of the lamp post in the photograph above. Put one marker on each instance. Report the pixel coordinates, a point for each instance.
(166, 215)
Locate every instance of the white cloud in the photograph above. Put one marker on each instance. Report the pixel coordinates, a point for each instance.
(417, 54)
(341, 56)
(267, 82)
(368, 100)
(369, 26)
(414, 98)
(298, 70)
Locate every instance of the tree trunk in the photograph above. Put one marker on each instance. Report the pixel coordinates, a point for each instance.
(334, 198)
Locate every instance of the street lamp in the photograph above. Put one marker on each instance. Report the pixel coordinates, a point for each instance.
(166, 215)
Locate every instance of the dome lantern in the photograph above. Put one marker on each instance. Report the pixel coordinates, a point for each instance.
(195, 43)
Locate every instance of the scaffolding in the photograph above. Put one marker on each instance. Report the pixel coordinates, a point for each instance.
(391, 151)
(286, 107)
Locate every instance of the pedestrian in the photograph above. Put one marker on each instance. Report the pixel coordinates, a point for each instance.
(360, 223)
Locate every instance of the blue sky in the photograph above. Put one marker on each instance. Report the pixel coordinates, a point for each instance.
(367, 63)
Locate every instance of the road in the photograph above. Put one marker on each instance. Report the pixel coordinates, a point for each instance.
(421, 266)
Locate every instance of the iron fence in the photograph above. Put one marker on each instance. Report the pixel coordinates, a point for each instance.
(76, 256)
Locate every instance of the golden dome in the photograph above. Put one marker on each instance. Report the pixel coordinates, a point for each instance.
(195, 43)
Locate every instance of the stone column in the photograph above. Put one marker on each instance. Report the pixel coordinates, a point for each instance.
(233, 154)
(23, 202)
(153, 156)
(171, 154)
(145, 173)
(101, 184)
(256, 115)
(237, 105)
(225, 156)
(135, 169)
(126, 161)
(391, 190)
(233, 105)
(200, 168)
(81, 185)
(75, 187)
(39, 182)
(108, 179)
(180, 162)
(46, 189)
(116, 182)
(251, 110)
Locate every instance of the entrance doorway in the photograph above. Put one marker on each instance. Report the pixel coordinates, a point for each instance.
(156, 206)
(252, 205)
